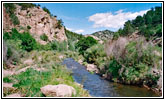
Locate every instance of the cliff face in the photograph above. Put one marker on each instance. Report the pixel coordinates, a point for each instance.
(40, 23)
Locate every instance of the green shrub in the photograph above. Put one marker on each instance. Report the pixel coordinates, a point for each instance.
(9, 53)
(28, 42)
(14, 52)
(44, 37)
(14, 19)
(7, 80)
(59, 24)
(151, 80)
(114, 67)
(46, 10)
(28, 27)
(71, 45)
(96, 55)
(85, 43)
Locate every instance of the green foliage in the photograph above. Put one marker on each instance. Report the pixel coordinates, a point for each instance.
(14, 52)
(28, 27)
(46, 10)
(73, 36)
(138, 61)
(7, 80)
(28, 43)
(114, 67)
(151, 80)
(85, 43)
(14, 19)
(29, 87)
(147, 24)
(117, 34)
(128, 28)
(10, 9)
(59, 24)
(139, 21)
(9, 53)
(30, 81)
(25, 6)
(71, 45)
(96, 55)
(44, 37)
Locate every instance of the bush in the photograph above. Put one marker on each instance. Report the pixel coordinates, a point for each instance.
(96, 55)
(114, 67)
(46, 10)
(14, 51)
(14, 19)
(59, 23)
(28, 27)
(71, 45)
(44, 37)
(28, 42)
(85, 43)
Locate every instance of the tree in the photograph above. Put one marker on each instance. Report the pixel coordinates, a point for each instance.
(138, 21)
(128, 28)
(85, 43)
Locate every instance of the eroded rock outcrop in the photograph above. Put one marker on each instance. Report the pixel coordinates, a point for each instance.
(37, 22)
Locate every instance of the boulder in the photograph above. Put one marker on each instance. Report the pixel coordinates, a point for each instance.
(92, 68)
(60, 90)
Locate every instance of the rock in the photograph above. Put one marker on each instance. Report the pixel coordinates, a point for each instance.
(92, 68)
(61, 56)
(157, 53)
(60, 90)
(22, 70)
(8, 85)
(14, 95)
(7, 73)
(28, 61)
(80, 61)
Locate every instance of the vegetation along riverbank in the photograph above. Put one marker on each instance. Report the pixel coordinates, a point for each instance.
(35, 43)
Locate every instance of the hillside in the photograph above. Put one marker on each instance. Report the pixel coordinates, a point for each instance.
(34, 45)
(34, 19)
(104, 35)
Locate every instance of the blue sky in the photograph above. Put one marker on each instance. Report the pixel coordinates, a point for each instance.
(87, 18)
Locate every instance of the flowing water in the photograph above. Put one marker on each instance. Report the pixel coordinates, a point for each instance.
(99, 87)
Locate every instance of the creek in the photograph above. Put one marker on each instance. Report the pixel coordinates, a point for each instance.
(99, 87)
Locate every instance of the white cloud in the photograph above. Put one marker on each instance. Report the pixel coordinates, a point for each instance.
(115, 21)
(79, 31)
(70, 29)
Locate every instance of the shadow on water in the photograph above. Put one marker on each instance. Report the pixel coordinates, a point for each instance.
(99, 87)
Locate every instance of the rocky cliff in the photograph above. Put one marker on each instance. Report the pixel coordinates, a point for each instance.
(37, 22)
